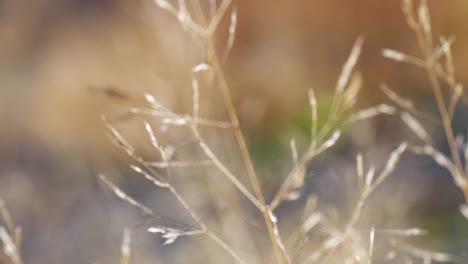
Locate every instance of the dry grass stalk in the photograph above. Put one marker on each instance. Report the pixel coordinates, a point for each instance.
(10, 237)
(122, 195)
(456, 95)
(176, 163)
(349, 66)
(414, 125)
(408, 105)
(371, 184)
(6, 216)
(232, 34)
(125, 249)
(442, 161)
(213, 60)
(159, 181)
(117, 138)
(371, 245)
(346, 92)
(425, 254)
(314, 114)
(297, 174)
(350, 96)
(360, 170)
(279, 241)
(196, 100)
(410, 232)
(204, 31)
(419, 21)
(401, 57)
(446, 71)
(210, 154)
(373, 111)
(294, 154)
(171, 234)
(148, 176)
(348, 240)
(216, 19)
(464, 210)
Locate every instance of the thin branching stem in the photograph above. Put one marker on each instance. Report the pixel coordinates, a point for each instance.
(421, 28)
(174, 192)
(215, 160)
(204, 227)
(198, 220)
(214, 61)
(447, 124)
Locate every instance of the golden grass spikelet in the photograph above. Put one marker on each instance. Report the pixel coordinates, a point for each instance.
(349, 66)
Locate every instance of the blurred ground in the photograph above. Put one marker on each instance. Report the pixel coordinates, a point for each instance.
(59, 57)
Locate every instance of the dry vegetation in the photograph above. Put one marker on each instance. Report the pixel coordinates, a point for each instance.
(10, 237)
(193, 167)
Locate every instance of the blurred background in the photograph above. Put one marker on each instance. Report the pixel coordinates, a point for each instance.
(65, 63)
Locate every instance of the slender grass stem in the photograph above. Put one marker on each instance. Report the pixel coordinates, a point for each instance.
(214, 61)
(447, 124)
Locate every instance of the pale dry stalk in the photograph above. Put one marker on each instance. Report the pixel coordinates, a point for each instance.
(159, 181)
(213, 60)
(422, 29)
